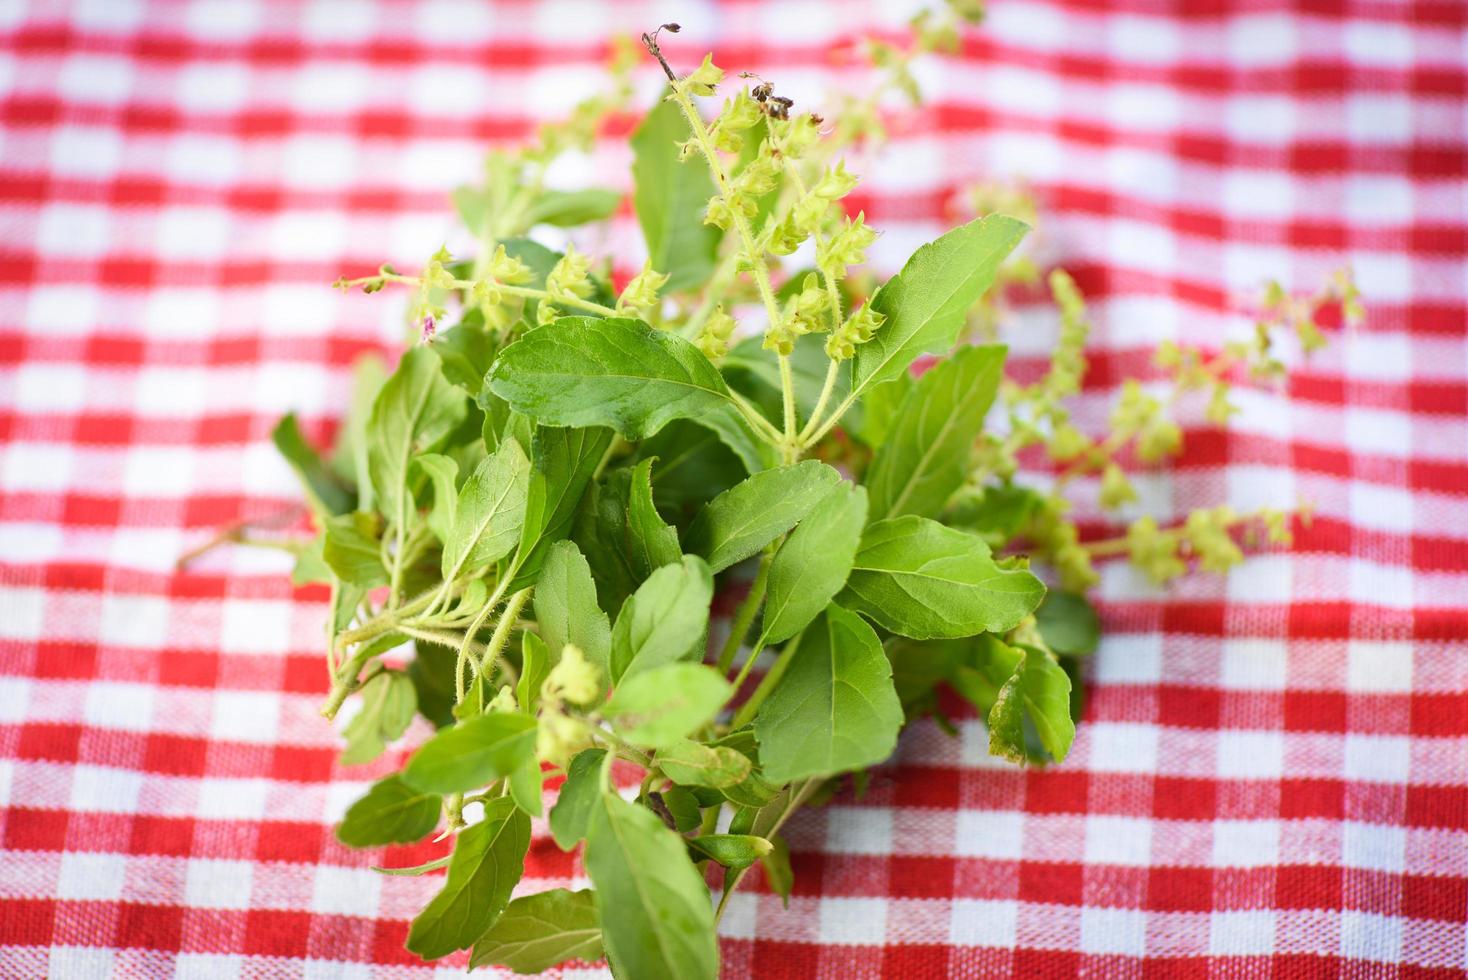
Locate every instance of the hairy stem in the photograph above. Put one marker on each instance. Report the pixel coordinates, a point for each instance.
(759, 267)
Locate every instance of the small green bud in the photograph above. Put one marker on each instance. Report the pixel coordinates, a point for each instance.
(504, 700)
(508, 269)
(717, 330)
(847, 247)
(573, 679)
(835, 184)
(704, 79)
(1154, 551)
(642, 291)
(1116, 489)
(857, 330)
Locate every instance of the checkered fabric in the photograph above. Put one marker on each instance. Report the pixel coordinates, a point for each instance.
(1272, 775)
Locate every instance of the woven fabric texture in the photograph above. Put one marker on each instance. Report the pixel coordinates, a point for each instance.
(1272, 775)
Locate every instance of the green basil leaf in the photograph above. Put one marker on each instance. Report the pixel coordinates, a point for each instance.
(526, 784)
(564, 461)
(926, 455)
(1068, 623)
(489, 512)
(443, 474)
(571, 815)
(389, 703)
(778, 873)
(1001, 513)
(670, 198)
(693, 468)
(620, 373)
(986, 664)
(679, 804)
(602, 534)
(753, 791)
(535, 666)
(349, 455)
(392, 812)
(537, 932)
(1040, 690)
(566, 608)
(351, 549)
(466, 352)
(565, 209)
(415, 409)
(926, 304)
(666, 704)
(813, 563)
(736, 851)
(691, 763)
(324, 492)
(656, 915)
(880, 406)
(473, 753)
(664, 621)
(432, 673)
(488, 859)
(917, 578)
(749, 515)
(654, 543)
(835, 709)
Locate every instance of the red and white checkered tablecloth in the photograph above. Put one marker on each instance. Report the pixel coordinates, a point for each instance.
(1272, 775)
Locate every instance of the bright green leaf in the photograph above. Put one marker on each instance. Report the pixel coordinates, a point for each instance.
(835, 709)
(537, 932)
(392, 812)
(415, 409)
(654, 543)
(736, 851)
(489, 512)
(671, 195)
(571, 815)
(324, 491)
(535, 665)
(663, 705)
(566, 209)
(813, 563)
(564, 461)
(657, 918)
(926, 455)
(473, 753)
(665, 620)
(917, 578)
(691, 763)
(1040, 690)
(488, 859)
(352, 551)
(749, 515)
(388, 704)
(1068, 623)
(443, 473)
(566, 608)
(926, 304)
(620, 373)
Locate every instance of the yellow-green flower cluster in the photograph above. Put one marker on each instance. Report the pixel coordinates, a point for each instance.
(570, 278)
(715, 334)
(846, 247)
(857, 329)
(1140, 415)
(642, 292)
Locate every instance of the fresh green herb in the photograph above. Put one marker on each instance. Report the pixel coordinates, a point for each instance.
(524, 525)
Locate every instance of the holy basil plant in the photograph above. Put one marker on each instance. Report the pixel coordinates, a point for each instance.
(526, 522)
